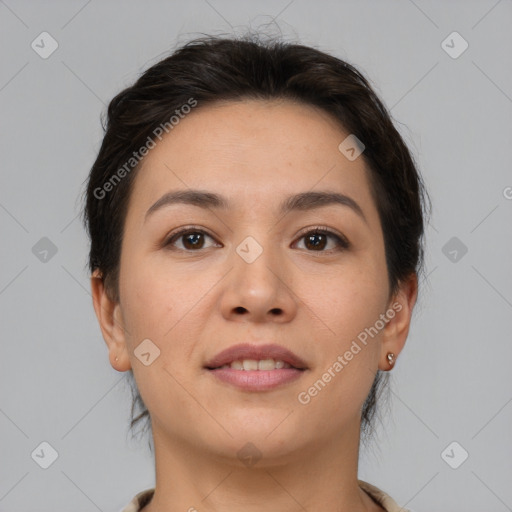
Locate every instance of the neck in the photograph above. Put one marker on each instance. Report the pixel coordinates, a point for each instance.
(320, 477)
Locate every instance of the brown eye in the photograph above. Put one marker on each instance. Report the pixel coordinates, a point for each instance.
(191, 240)
(317, 240)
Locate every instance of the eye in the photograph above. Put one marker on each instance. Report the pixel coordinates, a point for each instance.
(318, 238)
(192, 239)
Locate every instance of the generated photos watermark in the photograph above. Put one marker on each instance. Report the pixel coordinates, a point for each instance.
(305, 397)
(137, 156)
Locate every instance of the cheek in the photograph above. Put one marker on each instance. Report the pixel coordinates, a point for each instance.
(347, 300)
(146, 293)
(163, 302)
(349, 304)
(148, 303)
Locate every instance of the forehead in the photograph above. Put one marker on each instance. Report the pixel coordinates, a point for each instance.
(252, 150)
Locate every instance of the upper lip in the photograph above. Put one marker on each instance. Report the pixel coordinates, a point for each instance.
(258, 352)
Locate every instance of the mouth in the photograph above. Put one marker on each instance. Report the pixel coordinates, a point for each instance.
(256, 367)
(256, 357)
(254, 364)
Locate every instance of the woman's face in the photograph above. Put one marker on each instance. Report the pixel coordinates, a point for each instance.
(251, 272)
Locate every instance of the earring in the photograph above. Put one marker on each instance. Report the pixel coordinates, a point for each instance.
(391, 358)
(117, 358)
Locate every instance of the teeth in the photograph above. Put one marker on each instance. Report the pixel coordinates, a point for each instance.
(236, 365)
(253, 364)
(266, 364)
(250, 364)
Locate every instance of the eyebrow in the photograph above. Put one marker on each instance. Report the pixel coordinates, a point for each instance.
(303, 201)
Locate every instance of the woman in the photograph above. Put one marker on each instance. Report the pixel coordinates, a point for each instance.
(256, 226)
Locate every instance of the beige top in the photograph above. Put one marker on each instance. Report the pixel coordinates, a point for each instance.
(385, 501)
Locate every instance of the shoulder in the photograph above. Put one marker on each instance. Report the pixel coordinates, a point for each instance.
(383, 499)
(140, 500)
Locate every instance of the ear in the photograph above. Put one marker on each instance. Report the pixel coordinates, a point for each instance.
(111, 322)
(396, 330)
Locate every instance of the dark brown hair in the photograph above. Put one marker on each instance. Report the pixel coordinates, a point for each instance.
(210, 69)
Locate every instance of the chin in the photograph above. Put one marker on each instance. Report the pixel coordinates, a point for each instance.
(268, 436)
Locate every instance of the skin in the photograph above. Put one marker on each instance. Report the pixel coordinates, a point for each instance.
(193, 303)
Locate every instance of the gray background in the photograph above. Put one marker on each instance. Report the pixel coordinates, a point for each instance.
(453, 380)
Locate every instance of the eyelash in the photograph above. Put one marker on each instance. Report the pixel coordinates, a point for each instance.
(341, 241)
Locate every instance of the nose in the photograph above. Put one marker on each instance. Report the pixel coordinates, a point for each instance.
(258, 288)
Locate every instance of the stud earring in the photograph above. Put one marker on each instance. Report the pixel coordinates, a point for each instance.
(391, 358)
(117, 358)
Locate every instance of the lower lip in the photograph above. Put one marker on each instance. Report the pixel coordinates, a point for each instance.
(257, 380)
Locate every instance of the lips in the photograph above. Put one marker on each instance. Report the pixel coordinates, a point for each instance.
(255, 352)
